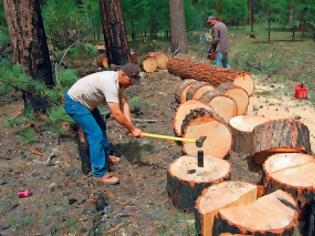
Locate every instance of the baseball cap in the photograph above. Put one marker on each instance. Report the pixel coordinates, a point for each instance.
(132, 71)
(211, 18)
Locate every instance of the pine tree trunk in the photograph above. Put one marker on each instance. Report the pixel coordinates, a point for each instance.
(29, 44)
(178, 26)
(114, 32)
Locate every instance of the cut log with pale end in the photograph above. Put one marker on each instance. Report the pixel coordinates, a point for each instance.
(133, 58)
(274, 214)
(242, 127)
(185, 180)
(276, 136)
(201, 91)
(161, 59)
(221, 104)
(293, 173)
(182, 90)
(193, 88)
(182, 111)
(188, 69)
(202, 122)
(102, 61)
(239, 95)
(149, 64)
(216, 197)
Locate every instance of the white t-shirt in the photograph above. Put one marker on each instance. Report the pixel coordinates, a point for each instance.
(96, 89)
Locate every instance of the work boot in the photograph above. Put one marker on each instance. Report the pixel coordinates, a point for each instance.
(108, 179)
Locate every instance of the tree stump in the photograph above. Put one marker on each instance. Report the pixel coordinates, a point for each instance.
(239, 95)
(277, 136)
(242, 127)
(216, 197)
(161, 59)
(273, 214)
(185, 180)
(293, 173)
(182, 111)
(222, 104)
(149, 64)
(193, 88)
(202, 122)
(201, 91)
(188, 69)
(180, 94)
(102, 61)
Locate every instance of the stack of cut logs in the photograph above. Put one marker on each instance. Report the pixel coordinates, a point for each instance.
(213, 103)
(152, 62)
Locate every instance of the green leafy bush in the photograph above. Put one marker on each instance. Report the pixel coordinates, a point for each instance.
(28, 135)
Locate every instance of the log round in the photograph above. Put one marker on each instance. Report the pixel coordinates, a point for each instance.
(185, 180)
(216, 197)
(182, 111)
(182, 98)
(239, 95)
(276, 136)
(201, 91)
(220, 103)
(193, 89)
(182, 89)
(242, 127)
(161, 59)
(102, 61)
(149, 64)
(202, 122)
(274, 214)
(188, 69)
(293, 173)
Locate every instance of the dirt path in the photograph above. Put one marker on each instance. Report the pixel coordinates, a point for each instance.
(65, 202)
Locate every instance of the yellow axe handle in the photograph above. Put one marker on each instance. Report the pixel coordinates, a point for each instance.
(166, 137)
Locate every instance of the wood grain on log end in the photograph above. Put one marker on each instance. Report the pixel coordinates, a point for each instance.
(185, 180)
(193, 88)
(216, 197)
(149, 64)
(242, 127)
(201, 122)
(245, 81)
(180, 89)
(201, 91)
(273, 214)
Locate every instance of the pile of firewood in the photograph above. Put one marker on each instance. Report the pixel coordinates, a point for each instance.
(213, 103)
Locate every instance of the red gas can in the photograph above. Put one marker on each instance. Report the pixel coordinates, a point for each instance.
(301, 91)
(24, 193)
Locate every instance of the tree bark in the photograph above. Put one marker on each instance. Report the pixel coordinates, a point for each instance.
(178, 26)
(188, 69)
(115, 37)
(29, 44)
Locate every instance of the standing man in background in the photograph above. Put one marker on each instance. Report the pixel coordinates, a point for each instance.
(220, 42)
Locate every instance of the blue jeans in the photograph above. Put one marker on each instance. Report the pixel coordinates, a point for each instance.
(221, 59)
(94, 128)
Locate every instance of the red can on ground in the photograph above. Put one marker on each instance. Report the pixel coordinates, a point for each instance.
(24, 193)
(301, 92)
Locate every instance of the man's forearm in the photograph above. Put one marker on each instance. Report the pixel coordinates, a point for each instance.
(127, 112)
(123, 120)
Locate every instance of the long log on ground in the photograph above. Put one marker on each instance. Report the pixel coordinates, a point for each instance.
(272, 215)
(185, 180)
(221, 104)
(202, 122)
(293, 173)
(187, 69)
(239, 95)
(277, 136)
(242, 127)
(180, 94)
(216, 197)
(182, 111)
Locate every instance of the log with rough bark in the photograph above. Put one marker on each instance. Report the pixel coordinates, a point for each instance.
(149, 64)
(274, 214)
(161, 59)
(278, 136)
(180, 94)
(216, 197)
(193, 88)
(222, 104)
(185, 180)
(102, 61)
(239, 95)
(242, 127)
(187, 69)
(182, 111)
(293, 173)
(202, 122)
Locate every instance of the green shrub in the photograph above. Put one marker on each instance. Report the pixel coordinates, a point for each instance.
(12, 121)
(137, 104)
(28, 135)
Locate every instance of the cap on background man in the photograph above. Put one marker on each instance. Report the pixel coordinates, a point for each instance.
(132, 71)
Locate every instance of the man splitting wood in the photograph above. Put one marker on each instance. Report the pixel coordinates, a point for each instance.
(220, 42)
(82, 100)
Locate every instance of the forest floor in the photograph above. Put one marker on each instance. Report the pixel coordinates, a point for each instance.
(66, 202)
